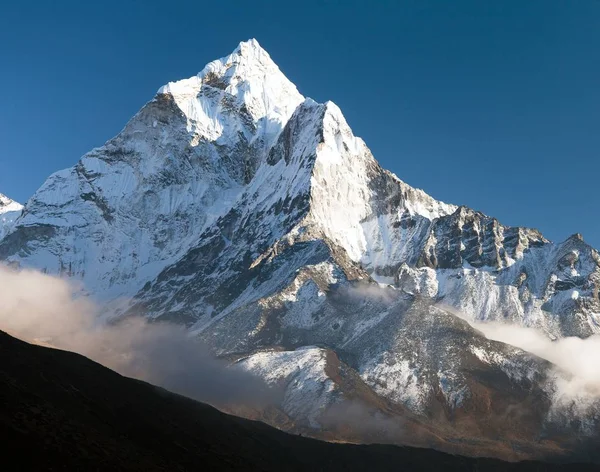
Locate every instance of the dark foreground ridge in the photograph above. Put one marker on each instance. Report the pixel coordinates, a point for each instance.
(62, 411)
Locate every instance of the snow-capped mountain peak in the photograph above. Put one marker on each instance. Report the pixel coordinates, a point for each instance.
(233, 205)
(178, 165)
(6, 204)
(239, 143)
(354, 200)
(252, 84)
(9, 212)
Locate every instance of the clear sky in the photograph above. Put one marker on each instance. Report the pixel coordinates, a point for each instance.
(490, 104)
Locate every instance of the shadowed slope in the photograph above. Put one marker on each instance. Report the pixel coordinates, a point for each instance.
(61, 411)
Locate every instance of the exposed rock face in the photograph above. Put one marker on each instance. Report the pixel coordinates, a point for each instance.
(233, 205)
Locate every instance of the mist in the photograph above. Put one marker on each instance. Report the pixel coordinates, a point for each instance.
(41, 309)
(576, 374)
(354, 418)
(577, 358)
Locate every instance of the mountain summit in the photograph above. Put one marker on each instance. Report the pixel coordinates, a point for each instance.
(247, 82)
(233, 205)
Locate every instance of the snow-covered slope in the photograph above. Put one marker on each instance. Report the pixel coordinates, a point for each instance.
(139, 202)
(254, 216)
(9, 212)
(321, 184)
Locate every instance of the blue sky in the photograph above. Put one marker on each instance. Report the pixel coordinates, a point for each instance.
(494, 105)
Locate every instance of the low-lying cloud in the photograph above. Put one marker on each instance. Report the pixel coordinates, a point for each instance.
(354, 419)
(577, 361)
(40, 308)
(577, 377)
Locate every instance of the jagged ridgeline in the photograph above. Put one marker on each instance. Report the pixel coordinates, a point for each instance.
(235, 206)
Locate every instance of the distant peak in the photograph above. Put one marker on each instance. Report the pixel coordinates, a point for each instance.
(575, 237)
(6, 204)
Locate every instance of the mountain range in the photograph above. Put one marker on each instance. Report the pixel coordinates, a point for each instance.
(252, 215)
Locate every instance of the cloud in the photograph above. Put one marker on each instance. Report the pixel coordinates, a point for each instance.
(576, 376)
(363, 291)
(354, 419)
(41, 308)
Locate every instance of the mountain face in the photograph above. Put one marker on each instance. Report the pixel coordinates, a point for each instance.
(254, 216)
(9, 212)
(138, 203)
